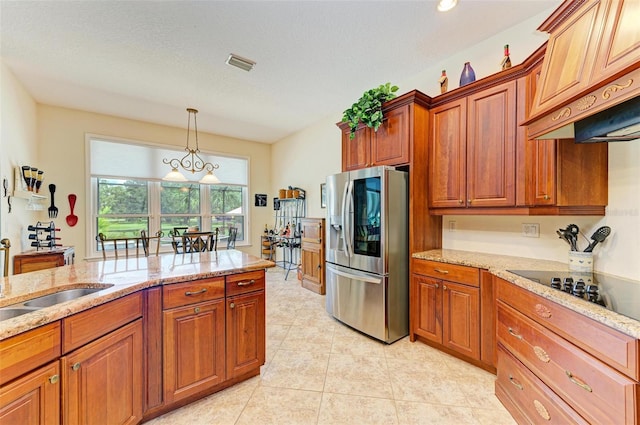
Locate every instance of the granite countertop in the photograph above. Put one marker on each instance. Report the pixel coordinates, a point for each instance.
(118, 278)
(499, 264)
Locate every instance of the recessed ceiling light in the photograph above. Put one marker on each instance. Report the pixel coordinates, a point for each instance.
(446, 5)
(240, 62)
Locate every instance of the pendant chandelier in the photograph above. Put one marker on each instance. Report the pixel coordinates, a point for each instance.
(192, 161)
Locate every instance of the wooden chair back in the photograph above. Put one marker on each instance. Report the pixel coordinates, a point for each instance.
(233, 234)
(4, 248)
(127, 244)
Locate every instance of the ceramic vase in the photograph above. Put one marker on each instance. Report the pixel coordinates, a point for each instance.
(468, 75)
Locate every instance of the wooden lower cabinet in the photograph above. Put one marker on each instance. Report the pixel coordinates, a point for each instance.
(245, 333)
(39, 260)
(447, 312)
(33, 399)
(578, 370)
(193, 349)
(312, 255)
(102, 381)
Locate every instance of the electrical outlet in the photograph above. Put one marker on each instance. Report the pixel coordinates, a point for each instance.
(531, 230)
(452, 226)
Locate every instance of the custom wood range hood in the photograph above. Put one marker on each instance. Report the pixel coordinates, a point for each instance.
(592, 64)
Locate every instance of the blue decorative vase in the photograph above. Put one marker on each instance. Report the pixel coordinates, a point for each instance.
(468, 75)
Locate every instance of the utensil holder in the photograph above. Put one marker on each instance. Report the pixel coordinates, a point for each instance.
(581, 261)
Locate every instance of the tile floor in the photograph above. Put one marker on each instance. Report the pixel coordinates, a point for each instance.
(319, 371)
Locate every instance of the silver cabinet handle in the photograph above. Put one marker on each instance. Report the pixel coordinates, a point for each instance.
(75, 366)
(189, 293)
(577, 381)
(515, 383)
(442, 271)
(437, 286)
(232, 305)
(513, 333)
(247, 283)
(54, 379)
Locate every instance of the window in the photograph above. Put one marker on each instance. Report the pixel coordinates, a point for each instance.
(128, 194)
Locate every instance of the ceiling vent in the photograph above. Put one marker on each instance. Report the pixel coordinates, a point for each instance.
(240, 62)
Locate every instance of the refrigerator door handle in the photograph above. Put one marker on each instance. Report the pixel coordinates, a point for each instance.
(345, 222)
(367, 279)
(349, 219)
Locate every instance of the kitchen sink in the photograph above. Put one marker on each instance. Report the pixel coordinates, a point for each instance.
(60, 297)
(11, 312)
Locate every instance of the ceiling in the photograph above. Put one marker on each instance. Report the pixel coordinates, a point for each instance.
(150, 60)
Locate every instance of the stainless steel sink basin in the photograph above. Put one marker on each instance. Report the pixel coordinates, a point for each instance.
(60, 297)
(11, 312)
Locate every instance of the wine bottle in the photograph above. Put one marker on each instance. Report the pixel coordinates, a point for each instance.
(506, 60)
(444, 81)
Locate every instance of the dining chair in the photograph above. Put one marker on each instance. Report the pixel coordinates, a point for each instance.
(6, 244)
(147, 239)
(233, 233)
(124, 243)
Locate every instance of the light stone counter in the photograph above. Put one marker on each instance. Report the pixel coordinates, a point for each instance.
(119, 278)
(499, 264)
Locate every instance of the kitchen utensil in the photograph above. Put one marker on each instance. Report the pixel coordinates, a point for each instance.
(72, 219)
(575, 231)
(567, 236)
(53, 210)
(561, 236)
(598, 236)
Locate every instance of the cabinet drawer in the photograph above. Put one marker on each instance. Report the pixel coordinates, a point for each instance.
(452, 272)
(180, 294)
(81, 328)
(28, 350)
(242, 283)
(535, 400)
(614, 348)
(597, 392)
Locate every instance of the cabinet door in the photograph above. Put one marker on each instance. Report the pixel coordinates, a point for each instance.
(103, 380)
(33, 399)
(311, 263)
(390, 144)
(31, 263)
(491, 143)
(193, 349)
(312, 230)
(448, 141)
(245, 333)
(461, 318)
(427, 308)
(543, 179)
(356, 151)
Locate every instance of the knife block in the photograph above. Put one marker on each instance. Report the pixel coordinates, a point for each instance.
(581, 261)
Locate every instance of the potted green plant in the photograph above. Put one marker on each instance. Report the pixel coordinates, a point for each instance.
(368, 109)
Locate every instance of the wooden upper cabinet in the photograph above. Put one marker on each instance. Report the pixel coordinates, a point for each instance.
(491, 147)
(390, 144)
(448, 156)
(356, 152)
(473, 145)
(394, 144)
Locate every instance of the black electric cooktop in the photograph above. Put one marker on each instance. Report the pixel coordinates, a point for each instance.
(611, 292)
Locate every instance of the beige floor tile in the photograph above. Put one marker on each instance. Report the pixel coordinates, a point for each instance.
(415, 351)
(297, 370)
(424, 382)
(281, 406)
(358, 375)
(221, 408)
(351, 342)
(412, 413)
(493, 416)
(308, 338)
(341, 409)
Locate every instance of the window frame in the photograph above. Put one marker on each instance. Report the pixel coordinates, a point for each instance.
(154, 189)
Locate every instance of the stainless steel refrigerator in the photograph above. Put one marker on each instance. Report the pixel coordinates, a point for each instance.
(367, 253)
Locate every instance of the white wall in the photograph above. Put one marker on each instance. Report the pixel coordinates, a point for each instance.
(18, 144)
(494, 234)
